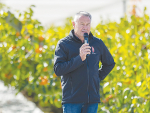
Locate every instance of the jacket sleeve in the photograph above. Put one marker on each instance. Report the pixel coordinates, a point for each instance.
(107, 62)
(61, 65)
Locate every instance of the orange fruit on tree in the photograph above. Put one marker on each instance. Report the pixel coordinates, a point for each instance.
(17, 34)
(44, 80)
(46, 102)
(104, 101)
(26, 37)
(13, 47)
(19, 66)
(45, 69)
(8, 76)
(45, 77)
(134, 10)
(107, 99)
(41, 38)
(55, 100)
(110, 96)
(28, 79)
(129, 82)
(54, 75)
(40, 77)
(39, 50)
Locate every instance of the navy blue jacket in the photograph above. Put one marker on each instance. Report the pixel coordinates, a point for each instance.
(80, 80)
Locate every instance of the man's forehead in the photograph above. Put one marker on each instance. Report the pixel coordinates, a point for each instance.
(83, 18)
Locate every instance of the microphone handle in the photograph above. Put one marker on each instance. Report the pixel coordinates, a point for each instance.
(86, 41)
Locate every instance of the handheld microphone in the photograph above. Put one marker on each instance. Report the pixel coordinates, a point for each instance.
(86, 37)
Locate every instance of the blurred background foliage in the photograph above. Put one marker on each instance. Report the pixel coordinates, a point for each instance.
(27, 52)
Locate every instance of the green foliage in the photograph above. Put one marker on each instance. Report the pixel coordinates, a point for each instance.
(26, 60)
(11, 20)
(127, 87)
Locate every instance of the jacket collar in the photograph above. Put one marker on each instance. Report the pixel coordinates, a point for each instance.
(75, 38)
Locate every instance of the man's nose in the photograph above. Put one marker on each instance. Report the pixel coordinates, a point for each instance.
(85, 27)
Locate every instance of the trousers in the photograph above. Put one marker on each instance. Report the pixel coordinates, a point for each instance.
(80, 108)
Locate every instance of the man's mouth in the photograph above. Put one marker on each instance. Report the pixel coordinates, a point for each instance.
(84, 31)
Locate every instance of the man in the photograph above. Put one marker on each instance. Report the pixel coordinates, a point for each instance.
(78, 65)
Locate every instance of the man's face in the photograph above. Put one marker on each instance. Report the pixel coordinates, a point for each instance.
(81, 26)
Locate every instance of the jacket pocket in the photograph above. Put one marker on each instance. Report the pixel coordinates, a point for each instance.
(96, 84)
(66, 88)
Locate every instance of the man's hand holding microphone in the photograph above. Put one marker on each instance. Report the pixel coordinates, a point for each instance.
(85, 49)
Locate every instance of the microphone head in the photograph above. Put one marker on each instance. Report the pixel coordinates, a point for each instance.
(86, 35)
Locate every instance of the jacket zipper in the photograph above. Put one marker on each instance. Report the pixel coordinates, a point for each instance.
(71, 85)
(88, 78)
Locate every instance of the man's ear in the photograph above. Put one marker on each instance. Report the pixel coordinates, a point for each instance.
(73, 23)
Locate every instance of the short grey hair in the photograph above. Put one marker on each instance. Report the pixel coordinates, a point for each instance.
(82, 13)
